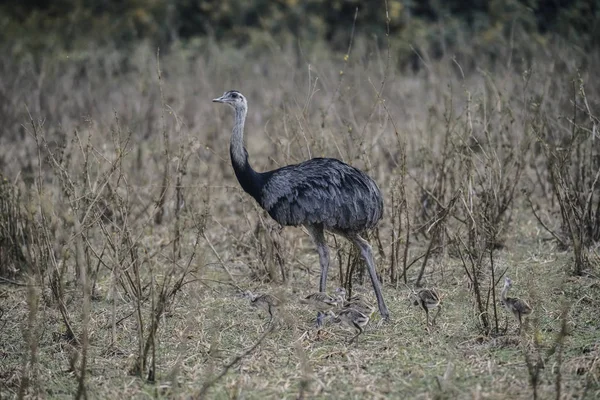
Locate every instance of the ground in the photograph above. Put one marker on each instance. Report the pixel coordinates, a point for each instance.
(209, 324)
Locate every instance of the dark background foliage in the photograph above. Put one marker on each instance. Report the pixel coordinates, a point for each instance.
(38, 25)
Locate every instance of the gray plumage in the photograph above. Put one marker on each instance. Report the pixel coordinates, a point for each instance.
(517, 306)
(323, 191)
(322, 194)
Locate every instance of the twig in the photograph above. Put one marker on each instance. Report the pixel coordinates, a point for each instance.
(221, 261)
(6, 280)
(539, 219)
(207, 385)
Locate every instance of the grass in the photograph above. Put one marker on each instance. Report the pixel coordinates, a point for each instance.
(87, 158)
(205, 329)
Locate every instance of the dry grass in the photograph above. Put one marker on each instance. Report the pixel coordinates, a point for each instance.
(154, 308)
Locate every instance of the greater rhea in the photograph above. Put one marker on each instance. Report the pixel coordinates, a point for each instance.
(267, 302)
(322, 194)
(427, 299)
(356, 302)
(352, 318)
(320, 301)
(517, 306)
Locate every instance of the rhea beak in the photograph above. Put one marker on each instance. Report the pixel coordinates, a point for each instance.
(218, 100)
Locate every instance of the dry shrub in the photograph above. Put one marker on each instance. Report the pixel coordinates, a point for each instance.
(112, 147)
(14, 230)
(573, 164)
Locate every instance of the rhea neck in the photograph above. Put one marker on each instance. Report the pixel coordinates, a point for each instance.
(250, 180)
(504, 292)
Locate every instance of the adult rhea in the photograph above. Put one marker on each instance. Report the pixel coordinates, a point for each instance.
(322, 194)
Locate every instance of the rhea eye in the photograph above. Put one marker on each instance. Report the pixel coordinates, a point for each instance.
(234, 95)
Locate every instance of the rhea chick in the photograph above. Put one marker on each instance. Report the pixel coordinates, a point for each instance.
(517, 306)
(356, 302)
(320, 301)
(428, 299)
(266, 302)
(352, 318)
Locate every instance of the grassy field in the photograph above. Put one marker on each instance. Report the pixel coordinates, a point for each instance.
(126, 240)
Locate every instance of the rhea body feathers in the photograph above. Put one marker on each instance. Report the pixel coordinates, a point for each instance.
(356, 302)
(428, 299)
(322, 194)
(351, 317)
(320, 301)
(517, 306)
(267, 302)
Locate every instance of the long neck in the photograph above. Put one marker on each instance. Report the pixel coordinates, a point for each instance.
(249, 179)
(239, 155)
(504, 292)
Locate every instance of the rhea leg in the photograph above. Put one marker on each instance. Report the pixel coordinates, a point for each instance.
(365, 250)
(360, 330)
(436, 314)
(270, 315)
(318, 236)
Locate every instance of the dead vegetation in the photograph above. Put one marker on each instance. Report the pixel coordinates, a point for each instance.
(125, 239)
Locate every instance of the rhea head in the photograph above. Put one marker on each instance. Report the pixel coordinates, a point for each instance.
(507, 282)
(233, 98)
